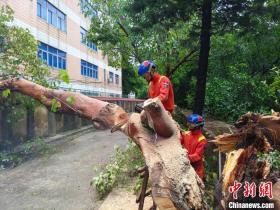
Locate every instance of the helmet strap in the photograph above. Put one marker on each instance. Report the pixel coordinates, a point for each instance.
(152, 75)
(151, 71)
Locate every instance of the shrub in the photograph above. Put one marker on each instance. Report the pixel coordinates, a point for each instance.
(120, 170)
(229, 98)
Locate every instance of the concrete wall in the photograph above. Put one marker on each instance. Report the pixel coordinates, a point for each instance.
(43, 123)
(1, 129)
(38, 123)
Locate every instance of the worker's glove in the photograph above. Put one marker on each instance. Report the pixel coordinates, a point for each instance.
(139, 107)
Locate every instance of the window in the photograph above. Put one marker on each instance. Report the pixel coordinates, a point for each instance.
(61, 20)
(84, 40)
(87, 8)
(51, 14)
(83, 35)
(51, 56)
(89, 69)
(117, 79)
(42, 9)
(111, 77)
(39, 9)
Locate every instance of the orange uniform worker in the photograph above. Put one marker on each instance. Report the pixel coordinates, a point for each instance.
(194, 141)
(159, 86)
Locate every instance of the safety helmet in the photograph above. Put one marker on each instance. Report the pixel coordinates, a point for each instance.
(146, 66)
(196, 120)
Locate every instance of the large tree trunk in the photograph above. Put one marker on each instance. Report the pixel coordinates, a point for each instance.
(203, 56)
(175, 185)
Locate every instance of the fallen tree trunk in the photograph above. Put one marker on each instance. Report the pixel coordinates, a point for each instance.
(256, 136)
(175, 185)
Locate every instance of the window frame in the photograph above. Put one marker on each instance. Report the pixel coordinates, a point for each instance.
(111, 77)
(84, 41)
(51, 55)
(85, 6)
(52, 15)
(117, 79)
(89, 70)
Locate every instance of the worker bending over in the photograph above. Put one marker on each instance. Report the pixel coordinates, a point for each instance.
(194, 142)
(159, 86)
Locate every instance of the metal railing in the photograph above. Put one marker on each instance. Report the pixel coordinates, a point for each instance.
(128, 104)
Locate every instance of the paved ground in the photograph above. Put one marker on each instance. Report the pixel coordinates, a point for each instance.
(121, 199)
(61, 181)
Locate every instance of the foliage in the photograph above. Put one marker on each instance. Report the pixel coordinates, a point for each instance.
(247, 31)
(63, 76)
(9, 160)
(70, 100)
(273, 157)
(18, 51)
(55, 105)
(11, 108)
(244, 15)
(184, 83)
(6, 93)
(122, 166)
(179, 116)
(211, 176)
(117, 32)
(26, 151)
(18, 58)
(274, 87)
(124, 36)
(230, 99)
(131, 81)
(247, 82)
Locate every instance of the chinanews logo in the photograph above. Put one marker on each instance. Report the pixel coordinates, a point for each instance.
(250, 190)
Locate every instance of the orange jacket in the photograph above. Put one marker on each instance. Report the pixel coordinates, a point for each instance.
(161, 87)
(195, 142)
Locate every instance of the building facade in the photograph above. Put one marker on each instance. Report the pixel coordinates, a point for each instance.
(60, 28)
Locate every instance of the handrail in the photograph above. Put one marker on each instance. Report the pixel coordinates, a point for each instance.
(113, 99)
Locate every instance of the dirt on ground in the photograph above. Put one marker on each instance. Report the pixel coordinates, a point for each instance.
(60, 181)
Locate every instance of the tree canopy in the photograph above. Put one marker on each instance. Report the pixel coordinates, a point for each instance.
(244, 49)
(18, 58)
(18, 51)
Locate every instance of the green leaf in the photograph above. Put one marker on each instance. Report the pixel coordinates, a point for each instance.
(6, 93)
(55, 105)
(63, 75)
(44, 98)
(70, 100)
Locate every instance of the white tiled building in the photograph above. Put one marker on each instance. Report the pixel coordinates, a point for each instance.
(60, 28)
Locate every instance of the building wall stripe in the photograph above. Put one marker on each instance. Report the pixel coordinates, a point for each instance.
(43, 37)
(70, 13)
(85, 87)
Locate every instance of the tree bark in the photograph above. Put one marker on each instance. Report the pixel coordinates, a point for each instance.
(175, 184)
(256, 134)
(203, 57)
